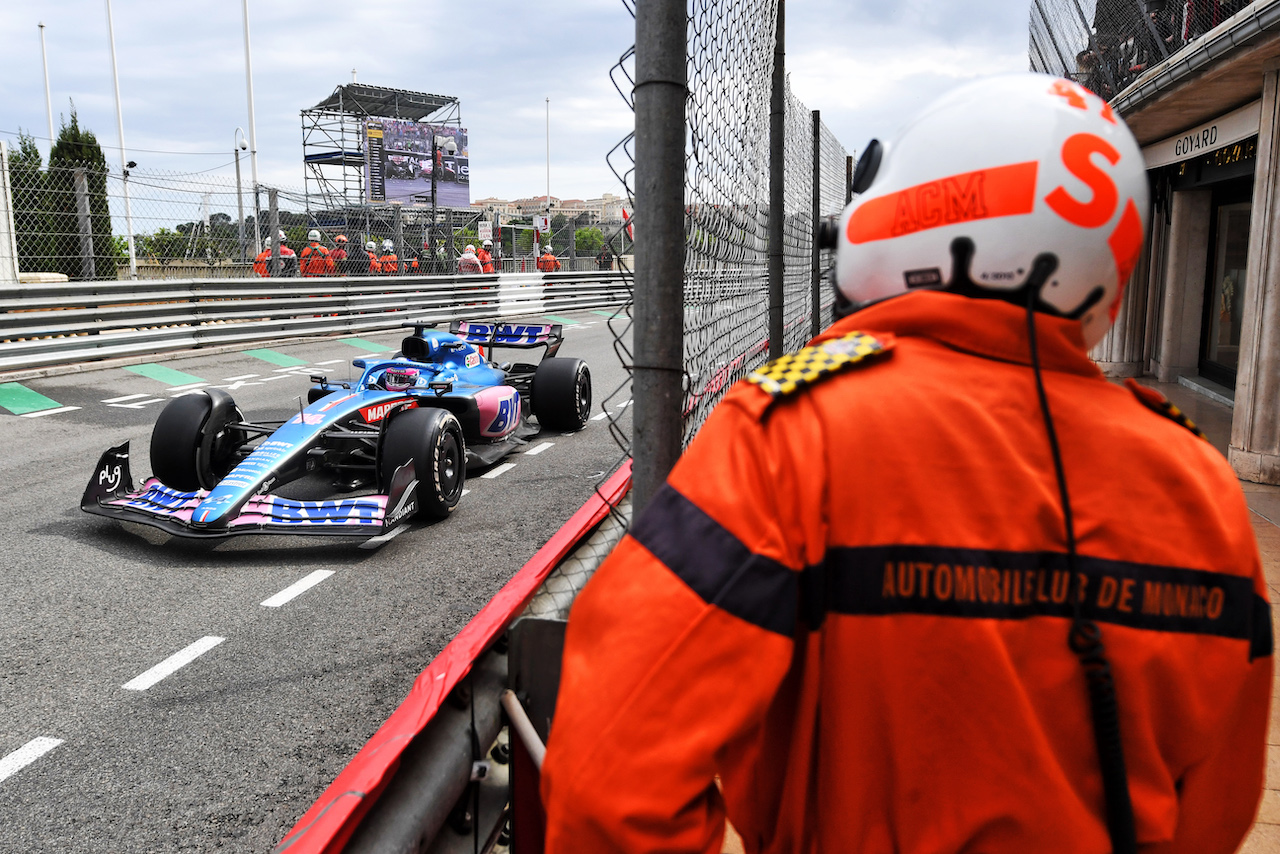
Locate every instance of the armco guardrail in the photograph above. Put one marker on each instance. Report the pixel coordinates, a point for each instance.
(67, 323)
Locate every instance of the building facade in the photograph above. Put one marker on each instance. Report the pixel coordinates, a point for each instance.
(1203, 305)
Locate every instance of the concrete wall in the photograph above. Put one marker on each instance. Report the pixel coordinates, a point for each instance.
(1255, 429)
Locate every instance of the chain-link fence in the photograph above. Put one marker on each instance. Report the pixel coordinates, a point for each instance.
(1105, 44)
(730, 61)
(73, 220)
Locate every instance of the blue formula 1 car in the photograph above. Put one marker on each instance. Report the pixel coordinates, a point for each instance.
(405, 434)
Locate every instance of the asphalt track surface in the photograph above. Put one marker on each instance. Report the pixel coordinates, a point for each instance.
(237, 737)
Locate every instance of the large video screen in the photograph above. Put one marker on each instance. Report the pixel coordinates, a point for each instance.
(398, 164)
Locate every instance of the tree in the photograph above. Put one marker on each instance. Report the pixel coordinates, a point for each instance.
(587, 241)
(30, 208)
(77, 147)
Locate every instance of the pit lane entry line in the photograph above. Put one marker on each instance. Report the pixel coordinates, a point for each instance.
(25, 755)
(172, 664)
(533, 452)
(297, 588)
(499, 470)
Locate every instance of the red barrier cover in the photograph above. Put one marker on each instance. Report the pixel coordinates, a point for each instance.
(328, 825)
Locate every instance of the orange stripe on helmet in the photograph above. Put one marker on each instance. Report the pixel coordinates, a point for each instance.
(984, 194)
(1125, 242)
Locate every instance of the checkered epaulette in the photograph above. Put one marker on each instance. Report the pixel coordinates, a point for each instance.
(793, 372)
(1159, 404)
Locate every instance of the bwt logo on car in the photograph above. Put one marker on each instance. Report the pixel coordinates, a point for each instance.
(374, 414)
(338, 512)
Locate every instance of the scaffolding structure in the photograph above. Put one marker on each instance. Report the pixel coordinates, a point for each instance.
(333, 135)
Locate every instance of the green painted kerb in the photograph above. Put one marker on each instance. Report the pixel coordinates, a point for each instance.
(362, 344)
(284, 360)
(20, 400)
(160, 373)
(562, 320)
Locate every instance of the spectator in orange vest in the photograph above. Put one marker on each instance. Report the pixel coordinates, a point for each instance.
(314, 260)
(486, 258)
(262, 264)
(547, 262)
(339, 253)
(375, 266)
(390, 263)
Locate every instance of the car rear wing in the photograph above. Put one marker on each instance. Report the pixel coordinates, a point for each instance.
(492, 333)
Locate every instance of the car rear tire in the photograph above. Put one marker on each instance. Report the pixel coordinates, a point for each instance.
(192, 444)
(432, 438)
(561, 393)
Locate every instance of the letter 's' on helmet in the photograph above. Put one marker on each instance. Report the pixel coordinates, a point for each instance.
(313, 236)
(1021, 165)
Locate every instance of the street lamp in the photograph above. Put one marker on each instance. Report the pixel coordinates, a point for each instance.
(239, 146)
(437, 143)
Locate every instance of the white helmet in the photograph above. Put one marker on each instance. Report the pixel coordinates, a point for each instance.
(488, 242)
(370, 246)
(283, 237)
(470, 248)
(388, 246)
(313, 236)
(1020, 165)
(547, 248)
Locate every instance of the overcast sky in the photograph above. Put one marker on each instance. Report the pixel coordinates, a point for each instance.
(866, 64)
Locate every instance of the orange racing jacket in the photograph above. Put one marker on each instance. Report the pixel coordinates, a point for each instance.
(850, 603)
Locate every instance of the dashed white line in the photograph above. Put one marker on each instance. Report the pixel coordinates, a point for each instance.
(26, 754)
(382, 539)
(291, 370)
(464, 492)
(297, 588)
(276, 377)
(241, 377)
(238, 384)
(123, 399)
(141, 403)
(331, 362)
(598, 417)
(172, 664)
(188, 386)
(42, 413)
(187, 392)
(500, 470)
(624, 404)
(533, 452)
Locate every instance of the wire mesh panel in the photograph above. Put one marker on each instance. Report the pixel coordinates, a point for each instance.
(727, 167)
(1104, 45)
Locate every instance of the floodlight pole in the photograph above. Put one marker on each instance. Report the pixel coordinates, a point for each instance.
(253, 137)
(236, 146)
(124, 160)
(548, 157)
(48, 101)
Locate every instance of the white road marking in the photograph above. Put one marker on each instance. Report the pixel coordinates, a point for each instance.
(294, 369)
(42, 413)
(502, 469)
(26, 754)
(331, 362)
(382, 539)
(123, 399)
(624, 404)
(172, 664)
(187, 392)
(188, 386)
(533, 452)
(141, 403)
(277, 377)
(464, 492)
(238, 384)
(241, 377)
(598, 417)
(297, 588)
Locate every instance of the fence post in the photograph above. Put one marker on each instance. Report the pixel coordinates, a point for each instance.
(88, 269)
(8, 235)
(815, 265)
(777, 185)
(658, 366)
(274, 214)
(397, 231)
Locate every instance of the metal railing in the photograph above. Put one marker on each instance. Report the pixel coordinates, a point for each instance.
(66, 323)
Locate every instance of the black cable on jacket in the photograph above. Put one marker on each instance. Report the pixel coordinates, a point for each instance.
(1085, 640)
